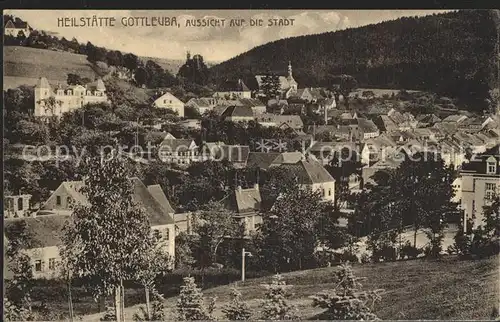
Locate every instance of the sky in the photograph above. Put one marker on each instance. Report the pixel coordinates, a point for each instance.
(214, 43)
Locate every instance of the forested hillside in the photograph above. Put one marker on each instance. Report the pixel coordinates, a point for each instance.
(452, 54)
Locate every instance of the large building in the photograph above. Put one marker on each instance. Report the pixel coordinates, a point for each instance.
(45, 227)
(60, 99)
(480, 184)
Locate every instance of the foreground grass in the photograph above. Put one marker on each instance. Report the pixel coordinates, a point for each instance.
(415, 289)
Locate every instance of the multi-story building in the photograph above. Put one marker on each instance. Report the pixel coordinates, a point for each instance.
(17, 206)
(168, 100)
(56, 101)
(45, 227)
(480, 184)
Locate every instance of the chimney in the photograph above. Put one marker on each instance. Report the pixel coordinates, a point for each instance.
(238, 188)
(256, 186)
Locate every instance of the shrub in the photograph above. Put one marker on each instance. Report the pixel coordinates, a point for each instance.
(190, 305)
(386, 253)
(347, 302)
(275, 304)
(409, 251)
(237, 309)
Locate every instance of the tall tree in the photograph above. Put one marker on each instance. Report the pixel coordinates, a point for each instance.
(104, 241)
(270, 85)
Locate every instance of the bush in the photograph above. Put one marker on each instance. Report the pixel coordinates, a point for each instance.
(409, 251)
(386, 253)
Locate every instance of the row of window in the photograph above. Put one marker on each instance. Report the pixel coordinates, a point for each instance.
(39, 265)
(58, 200)
(89, 93)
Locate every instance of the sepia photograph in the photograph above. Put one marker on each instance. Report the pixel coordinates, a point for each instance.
(256, 164)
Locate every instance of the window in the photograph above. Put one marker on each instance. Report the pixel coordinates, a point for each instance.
(491, 167)
(38, 265)
(20, 204)
(164, 101)
(58, 200)
(52, 263)
(166, 234)
(329, 192)
(490, 190)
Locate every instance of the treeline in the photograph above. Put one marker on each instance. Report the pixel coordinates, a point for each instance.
(451, 54)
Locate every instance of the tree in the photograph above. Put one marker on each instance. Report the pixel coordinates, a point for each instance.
(237, 309)
(292, 229)
(275, 304)
(190, 305)
(183, 253)
(130, 61)
(74, 79)
(346, 301)
(104, 240)
(157, 313)
(141, 76)
(154, 263)
(342, 84)
(18, 289)
(215, 225)
(270, 85)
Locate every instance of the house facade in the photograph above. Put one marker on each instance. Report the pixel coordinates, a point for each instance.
(168, 100)
(182, 152)
(480, 184)
(56, 101)
(45, 227)
(16, 28)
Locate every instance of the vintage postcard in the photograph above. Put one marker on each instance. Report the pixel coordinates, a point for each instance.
(166, 165)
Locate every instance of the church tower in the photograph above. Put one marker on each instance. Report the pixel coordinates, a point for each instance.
(291, 81)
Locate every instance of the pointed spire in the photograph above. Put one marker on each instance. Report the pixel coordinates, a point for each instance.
(289, 68)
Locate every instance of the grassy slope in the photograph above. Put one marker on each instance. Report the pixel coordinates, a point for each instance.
(417, 289)
(24, 65)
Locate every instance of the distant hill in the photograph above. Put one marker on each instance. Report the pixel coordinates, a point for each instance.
(452, 54)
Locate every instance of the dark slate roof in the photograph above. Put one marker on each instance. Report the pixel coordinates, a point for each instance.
(237, 111)
(250, 102)
(16, 24)
(478, 162)
(244, 201)
(234, 86)
(367, 125)
(309, 171)
(157, 192)
(43, 231)
(261, 160)
(232, 153)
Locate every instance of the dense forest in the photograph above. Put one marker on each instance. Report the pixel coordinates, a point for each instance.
(452, 54)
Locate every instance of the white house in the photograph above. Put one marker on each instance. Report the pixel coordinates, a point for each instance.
(15, 28)
(66, 97)
(167, 100)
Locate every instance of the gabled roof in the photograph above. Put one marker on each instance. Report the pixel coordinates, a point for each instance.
(367, 126)
(232, 153)
(177, 145)
(262, 160)
(455, 118)
(157, 192)
(237, 111)
(428, 118)
(309, 171)
(157, 210)
(42, 83)
(250, 102)
(42, 231)
(294, 121)
(244, 201)
(234, 86)
(16, 24)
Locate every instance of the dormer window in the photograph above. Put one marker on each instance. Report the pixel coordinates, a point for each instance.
(491, 165)
(69, 92)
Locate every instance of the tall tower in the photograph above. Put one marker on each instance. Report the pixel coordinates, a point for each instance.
(291, 82)
(42, 91)
(290, 69)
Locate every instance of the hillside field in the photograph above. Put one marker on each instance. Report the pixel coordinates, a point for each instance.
(414, 289)
(24, 65)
